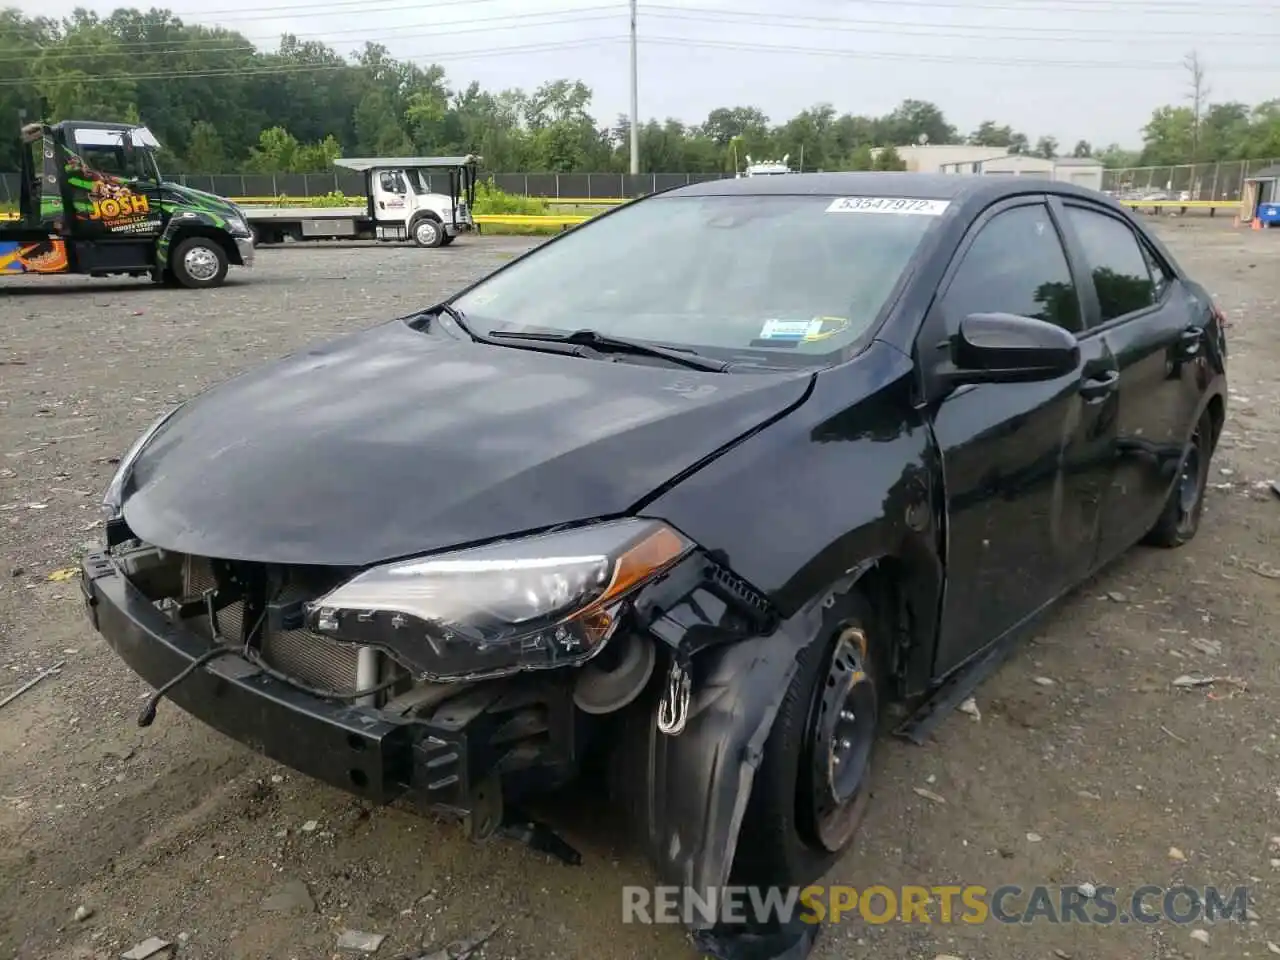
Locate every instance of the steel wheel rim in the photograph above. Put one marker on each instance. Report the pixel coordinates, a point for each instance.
(200, 263)
(842, 734)
(426, 232)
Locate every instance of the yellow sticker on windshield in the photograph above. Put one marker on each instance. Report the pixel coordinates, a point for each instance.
(823, 327)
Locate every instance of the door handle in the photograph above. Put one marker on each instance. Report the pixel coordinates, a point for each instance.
(1189, 341)
(1096, 388)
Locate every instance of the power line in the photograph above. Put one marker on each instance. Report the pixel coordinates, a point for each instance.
(130, 50)
(692, 14)
(289, 69)
(909, 28)
(1126, 64)
(1128, 7)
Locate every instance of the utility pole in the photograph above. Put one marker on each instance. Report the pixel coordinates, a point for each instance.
(635, 98)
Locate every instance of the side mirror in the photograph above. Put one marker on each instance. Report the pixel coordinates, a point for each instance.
(1006, 348)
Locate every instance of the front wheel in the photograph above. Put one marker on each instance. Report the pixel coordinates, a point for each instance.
(813, 785)
(428, 232)
(1180, 518)
(199, 262)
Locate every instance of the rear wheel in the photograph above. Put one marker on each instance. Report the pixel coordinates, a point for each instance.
(813, 785)
(199, 262)
(1180, 519)
(428, 232)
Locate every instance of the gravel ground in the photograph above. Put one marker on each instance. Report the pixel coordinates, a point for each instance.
(179, 833)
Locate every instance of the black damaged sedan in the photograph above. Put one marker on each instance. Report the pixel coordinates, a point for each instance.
(687, 495)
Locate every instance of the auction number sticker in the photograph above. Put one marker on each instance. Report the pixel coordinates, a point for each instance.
(925, 208)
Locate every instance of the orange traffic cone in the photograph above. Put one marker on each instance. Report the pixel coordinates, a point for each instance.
(1257, 224)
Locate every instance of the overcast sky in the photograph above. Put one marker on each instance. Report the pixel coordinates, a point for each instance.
(1072, 69)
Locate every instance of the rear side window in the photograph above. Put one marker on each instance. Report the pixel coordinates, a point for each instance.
(1016, 264)
(1117, 262)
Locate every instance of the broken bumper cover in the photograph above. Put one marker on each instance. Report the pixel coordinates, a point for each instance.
(353, 748)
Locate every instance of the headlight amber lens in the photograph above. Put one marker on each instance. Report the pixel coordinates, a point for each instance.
(533, 603)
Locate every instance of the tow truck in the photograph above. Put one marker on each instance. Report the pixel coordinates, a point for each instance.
(92, 202)
(400, 205)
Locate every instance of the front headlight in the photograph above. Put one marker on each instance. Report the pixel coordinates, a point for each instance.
(529, 604)
(237, 227)
(113, 497)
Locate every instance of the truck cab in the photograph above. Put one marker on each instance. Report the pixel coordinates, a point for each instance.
(93, 202)
(404, 206)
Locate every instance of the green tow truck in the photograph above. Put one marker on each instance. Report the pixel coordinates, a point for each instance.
(92, 202)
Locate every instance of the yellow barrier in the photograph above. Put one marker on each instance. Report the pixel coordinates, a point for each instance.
(522, 220)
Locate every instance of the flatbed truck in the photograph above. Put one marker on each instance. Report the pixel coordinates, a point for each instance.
(400, 205)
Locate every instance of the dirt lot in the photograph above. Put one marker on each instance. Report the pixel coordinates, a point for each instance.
(176, 832)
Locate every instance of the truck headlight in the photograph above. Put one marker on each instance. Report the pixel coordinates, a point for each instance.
(238, 228)
(113, 497)
(534, 603)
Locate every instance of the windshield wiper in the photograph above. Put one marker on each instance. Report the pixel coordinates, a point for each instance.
(603, 342)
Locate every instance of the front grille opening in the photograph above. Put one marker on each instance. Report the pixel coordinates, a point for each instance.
(311, 658)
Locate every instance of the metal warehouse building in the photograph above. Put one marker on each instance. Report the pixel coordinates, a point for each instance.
(1081, 171)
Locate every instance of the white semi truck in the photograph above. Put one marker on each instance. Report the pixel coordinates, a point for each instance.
(400, 204)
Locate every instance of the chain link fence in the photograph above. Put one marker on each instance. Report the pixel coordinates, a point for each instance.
(1201, 181)
(1204, 181)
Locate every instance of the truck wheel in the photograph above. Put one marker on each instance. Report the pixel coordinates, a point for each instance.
(812, 787)
(428, 232)
(199, 262)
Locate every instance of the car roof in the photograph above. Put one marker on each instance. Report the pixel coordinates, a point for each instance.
(924, 186)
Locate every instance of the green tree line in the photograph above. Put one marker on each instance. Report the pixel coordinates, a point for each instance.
(221, 105)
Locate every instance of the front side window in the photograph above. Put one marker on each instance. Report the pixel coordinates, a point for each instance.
(766, 277)
(1116, 261)
(1016, 265)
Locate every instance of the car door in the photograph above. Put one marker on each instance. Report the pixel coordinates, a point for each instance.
(1146, 318)
(390, 196)
(1025, 464)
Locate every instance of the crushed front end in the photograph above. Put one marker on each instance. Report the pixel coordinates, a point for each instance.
(461, 681)
(227, 641)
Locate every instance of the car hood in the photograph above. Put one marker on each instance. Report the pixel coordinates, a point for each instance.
(392, 442)
(179, 195)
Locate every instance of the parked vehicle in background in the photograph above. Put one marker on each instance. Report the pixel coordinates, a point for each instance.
(697, 489)
(766, 168)
(92, 201)
(400, 203)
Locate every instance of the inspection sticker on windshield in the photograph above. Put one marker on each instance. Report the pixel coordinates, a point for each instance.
(924, 208)
(789, 329)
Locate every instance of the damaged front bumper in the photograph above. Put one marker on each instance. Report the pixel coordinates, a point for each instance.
(693, 784)
(443, 762)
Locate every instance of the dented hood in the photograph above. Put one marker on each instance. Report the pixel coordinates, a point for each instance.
(392, 442)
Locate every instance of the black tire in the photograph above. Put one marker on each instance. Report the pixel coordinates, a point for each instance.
(783, 841)
(1180, 518)
(448, 239)
(199, 262)
(427, 232)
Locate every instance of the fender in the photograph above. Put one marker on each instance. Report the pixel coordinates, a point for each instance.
(181, 220)
(696, 784)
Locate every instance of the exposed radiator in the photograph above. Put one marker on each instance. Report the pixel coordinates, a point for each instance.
(315, 660)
